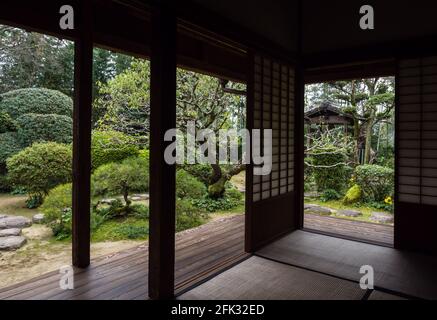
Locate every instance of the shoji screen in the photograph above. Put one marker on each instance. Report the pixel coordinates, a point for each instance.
(417, 153)
(273, 107)
(418, 131)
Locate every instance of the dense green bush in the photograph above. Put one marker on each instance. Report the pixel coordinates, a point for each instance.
(329, 171)
(188, 186)
(188, 216)
(57, 210)
(131, 175)
(132, 232)
(40, 168)
(217, 204)
(7, 124)
(234, 194)
(330, 195)
(36, 100)
(376, 182)
(44, 128)
(111, 146)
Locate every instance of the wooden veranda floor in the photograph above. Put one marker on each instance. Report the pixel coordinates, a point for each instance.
(369, 232)
(200, 253)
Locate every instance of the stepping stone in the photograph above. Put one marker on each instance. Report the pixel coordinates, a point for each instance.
(144, 196)
(350, 213)
(12, 243)
(38, 218)
(381, 217)
(108, 201)
(310, 206)
(12, 222)
(320, 211)
(136, 198)
(10, 233)
(2, 216)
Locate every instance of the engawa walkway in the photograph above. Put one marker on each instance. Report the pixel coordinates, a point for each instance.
(370, 232)
(200, 253)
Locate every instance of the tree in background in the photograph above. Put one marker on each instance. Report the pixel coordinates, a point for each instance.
(370, 102)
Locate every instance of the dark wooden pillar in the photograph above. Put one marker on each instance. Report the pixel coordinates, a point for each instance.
(83, 62)
(162, 175)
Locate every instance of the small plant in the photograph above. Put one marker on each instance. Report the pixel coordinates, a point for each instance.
(188, 216)
(353, 196)
(132, 232)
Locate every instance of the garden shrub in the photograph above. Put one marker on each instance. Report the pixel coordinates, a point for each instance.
(44, 128)
(36, 100)
(9, 146)
(234, 194)
(7, 124)
(131, 175)
(353, 195)
(188, 216)
(188, 186)
(330, 195)
(132, 232)
(327, 174)
(376, 182)
(40, 168)
(57, 210)
(217, 204)
(111, 146)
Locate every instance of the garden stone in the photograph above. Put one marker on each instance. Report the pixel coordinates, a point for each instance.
(320, 211)
(38, 218)
(144, 196)
(10, 233)
(12, 243)
(2, 216)
(310, 206)
(11, 222)
(350, 213)
(383, 218)
(136, 198)
(108, 201)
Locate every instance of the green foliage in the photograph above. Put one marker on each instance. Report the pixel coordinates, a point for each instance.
(353, 195)
(375, 181)
(44, 128)
(111, 146)
(220, 204)
(132, 232)
(40, 168)
(188, 186)
(9, 146)
(329, 169)
(234, 194)
(35, 100)
(57, 210)
(188, 216)
(131, 175)
(330, 195)
(7, 124)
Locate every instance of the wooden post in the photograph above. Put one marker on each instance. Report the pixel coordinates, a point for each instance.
(83, 65)
(162, 175)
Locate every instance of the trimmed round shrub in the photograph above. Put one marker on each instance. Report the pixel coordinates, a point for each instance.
(40, 168)
(188, 216)
(131, 175)
(111, 146)
(7, 124)
(43, 128)
(376, 182)
(187, 186)
(9, 146)
(36, 100)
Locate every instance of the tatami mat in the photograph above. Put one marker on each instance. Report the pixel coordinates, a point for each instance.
(407, 273)
(378, 295)
(262, 279)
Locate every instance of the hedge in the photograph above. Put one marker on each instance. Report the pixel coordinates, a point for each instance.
(35, 100)
(9, 145)
(44, 128)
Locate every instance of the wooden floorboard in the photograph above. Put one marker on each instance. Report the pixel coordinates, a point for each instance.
(200, 253)
(371, 232)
